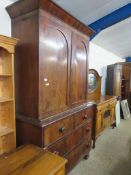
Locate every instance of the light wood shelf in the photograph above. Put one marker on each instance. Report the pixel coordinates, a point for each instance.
(5, 75)
(7, 106)
(5, 99)
(5, 131)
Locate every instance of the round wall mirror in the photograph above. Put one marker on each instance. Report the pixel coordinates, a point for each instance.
(92, 82)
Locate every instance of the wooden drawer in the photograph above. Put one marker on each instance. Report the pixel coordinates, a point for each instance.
(74, 139)
(90, 112)
(78, 153)
(69, 142)
(86, 147)
(113, 103)
(83, 116)
(57, 130)
(103, 107)
(59, 147)
(106, 106)
(87, 131)
(80, 118)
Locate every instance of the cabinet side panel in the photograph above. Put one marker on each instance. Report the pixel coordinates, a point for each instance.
(110, 80)
(25, 28)
(28, 133)
(125, 86)
(117, 80)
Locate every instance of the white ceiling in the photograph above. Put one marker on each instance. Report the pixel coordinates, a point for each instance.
(116, 39)
(89, 11)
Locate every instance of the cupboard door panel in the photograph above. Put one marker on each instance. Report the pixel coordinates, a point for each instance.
(78, 69)
(54, 55)
(125, 83)
(117, 79)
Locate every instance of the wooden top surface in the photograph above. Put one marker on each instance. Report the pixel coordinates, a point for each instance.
(30, 160)
(104, 99)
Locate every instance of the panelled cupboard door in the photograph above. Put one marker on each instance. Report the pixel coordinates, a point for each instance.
(117, 80)
(79, 62)
(54, 56)
(125, 82)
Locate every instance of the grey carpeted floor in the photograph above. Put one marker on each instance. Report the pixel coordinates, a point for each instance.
(112, 155)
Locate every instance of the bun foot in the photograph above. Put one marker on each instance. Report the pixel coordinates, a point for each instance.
(86, 157)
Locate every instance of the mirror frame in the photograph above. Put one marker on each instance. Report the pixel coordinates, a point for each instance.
(93, 88)
(96, 93)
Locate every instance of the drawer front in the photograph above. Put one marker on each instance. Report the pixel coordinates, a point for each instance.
(113, 103)
(90, 112)
(69, 142)
(74, 139)
(86, 147)
(106, 106)
(57, 130)
(83, 116)
(103, 107)
(59, 147)
(80, 118)
(87, 131)
(78, 153)
(73, 158)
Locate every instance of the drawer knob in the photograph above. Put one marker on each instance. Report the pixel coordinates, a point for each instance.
(85, 117)
(62, 129)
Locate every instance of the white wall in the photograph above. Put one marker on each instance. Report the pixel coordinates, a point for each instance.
(5, 21)
(99, 58)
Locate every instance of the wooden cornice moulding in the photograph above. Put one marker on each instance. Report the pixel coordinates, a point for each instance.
(8, 43)
(22, 7)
